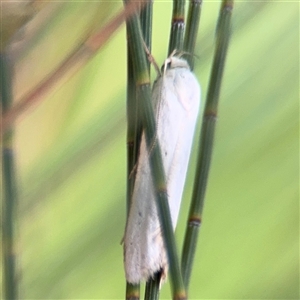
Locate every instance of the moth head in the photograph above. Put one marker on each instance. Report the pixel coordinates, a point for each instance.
(173, 62)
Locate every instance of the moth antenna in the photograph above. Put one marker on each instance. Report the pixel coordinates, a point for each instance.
(151, 59)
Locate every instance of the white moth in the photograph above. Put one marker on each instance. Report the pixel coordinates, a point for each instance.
(176, 100)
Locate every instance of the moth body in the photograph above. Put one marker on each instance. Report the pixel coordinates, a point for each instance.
(176, 100)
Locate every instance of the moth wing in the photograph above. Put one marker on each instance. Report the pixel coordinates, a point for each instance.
(186, 94)
(144, 253)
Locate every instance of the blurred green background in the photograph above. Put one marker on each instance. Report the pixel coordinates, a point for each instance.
(71, 156)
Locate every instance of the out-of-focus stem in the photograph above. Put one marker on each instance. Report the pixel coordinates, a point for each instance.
(9, 195)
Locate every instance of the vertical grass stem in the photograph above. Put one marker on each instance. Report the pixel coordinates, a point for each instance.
(191, 32)
(206, 140)
(9, 196)
(177, 27)
(152, 285)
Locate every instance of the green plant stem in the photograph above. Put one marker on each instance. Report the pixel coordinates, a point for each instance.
(134, 129)
(153, 284)
(131, 128)
(191, 32)
(9, 190)
(177, 27)
(132, 291)
(159, 180)
(152, 287)
(206, 140)
(146, 25)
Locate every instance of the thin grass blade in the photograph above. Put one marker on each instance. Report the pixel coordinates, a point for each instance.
(9, 197)
(191, 32)
(134, 127)
(146, 25)
(177, 27)
(152, 285)
(206, 140)
(131, 127)
(152, 288)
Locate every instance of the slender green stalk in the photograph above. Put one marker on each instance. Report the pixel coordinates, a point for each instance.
(132, 291)
(177, 27)
(159, 180)
(206, 140)
(134, 128)
(146, 25)
(9, 191)
(191, 32)
(152, 287)
(131, 128)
